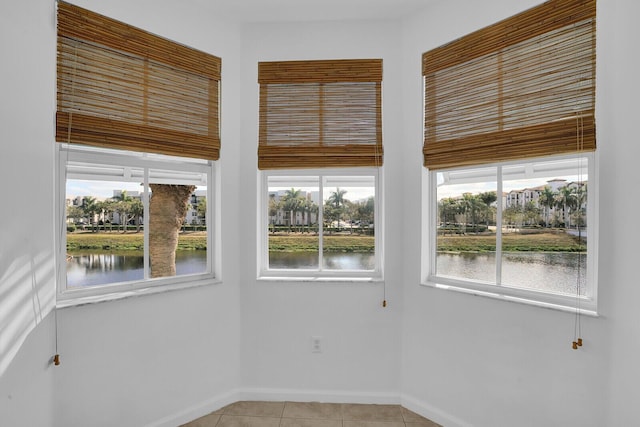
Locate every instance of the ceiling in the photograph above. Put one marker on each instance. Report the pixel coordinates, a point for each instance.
(313, 10)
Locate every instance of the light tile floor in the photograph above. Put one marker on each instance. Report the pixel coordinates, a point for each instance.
(311, 414)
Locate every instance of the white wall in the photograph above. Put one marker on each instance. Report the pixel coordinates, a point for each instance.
(156, 360)
(167, 358)
(618, 92)
(27, 88)
(26, 387)
(362, 345)
(475, 361)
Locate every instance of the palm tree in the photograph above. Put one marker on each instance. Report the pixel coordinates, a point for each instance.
(337, 201)
(337, 197)
(107, 208)
(168, 207)
(121, 206)
(488, 197)
(90, 208)
(308, 207)
(580, 207)
(566, 199)
(292, 203)
(136, 211)
(547, 200)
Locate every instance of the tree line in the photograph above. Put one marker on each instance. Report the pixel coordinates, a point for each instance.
(129, 210)
(565, 207)
(336, 210)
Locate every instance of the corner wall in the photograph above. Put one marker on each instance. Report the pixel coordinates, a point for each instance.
(475, 361)
(617, 94)
(162, 359)
(362, 345)
(27, 268)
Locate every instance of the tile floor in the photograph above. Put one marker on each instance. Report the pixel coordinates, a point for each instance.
(312, 414)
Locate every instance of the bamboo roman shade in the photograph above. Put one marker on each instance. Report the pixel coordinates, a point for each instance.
(122, 87)
(524, 87)
(324, 113)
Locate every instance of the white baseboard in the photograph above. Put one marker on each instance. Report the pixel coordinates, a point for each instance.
(431, 412)
(197, 411)
(327, 396)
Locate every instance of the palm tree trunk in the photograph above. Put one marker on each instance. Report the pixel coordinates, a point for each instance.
(167, 210)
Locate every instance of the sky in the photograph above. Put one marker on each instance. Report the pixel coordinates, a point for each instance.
(446, 191)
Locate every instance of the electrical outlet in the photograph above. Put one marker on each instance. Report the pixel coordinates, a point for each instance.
(316, 344)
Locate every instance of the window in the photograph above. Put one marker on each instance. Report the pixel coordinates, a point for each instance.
(320, 223)
(533, 242)
(125, 221)
(137, 123)
(509, 131)
(320, 156)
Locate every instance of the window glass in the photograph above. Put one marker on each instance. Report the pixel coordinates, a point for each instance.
(293, 214)
(466, 215)
(515, 225)
(103, 224)
(128, 221)
(319, 223)
(349, 213)
(544, 223)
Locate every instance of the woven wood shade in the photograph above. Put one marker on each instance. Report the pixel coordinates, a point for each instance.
(522, 88)
(122, 87)
(320, 114)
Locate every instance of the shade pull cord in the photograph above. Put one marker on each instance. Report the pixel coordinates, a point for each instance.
(577, 326)
(56, 357)
(377, 164)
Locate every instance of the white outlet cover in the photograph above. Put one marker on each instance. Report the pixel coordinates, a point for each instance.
(316, 344)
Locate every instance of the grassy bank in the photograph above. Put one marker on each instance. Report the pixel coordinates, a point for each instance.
(309, 243)
(513, 242)
(114, 241)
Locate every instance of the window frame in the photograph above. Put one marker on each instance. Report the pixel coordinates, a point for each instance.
(587, 304)
(119, 290)
(320, 274)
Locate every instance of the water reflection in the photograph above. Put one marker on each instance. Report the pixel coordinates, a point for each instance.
(331, 261)
(548, 271)
(103, 268)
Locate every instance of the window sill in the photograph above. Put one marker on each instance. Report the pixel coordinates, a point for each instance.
(514, 295)
(68, 299)
(320, 279)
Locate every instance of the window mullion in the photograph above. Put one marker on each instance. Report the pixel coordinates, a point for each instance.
(499, 226)
(209, 220)
(145, 216)
(320, 222)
